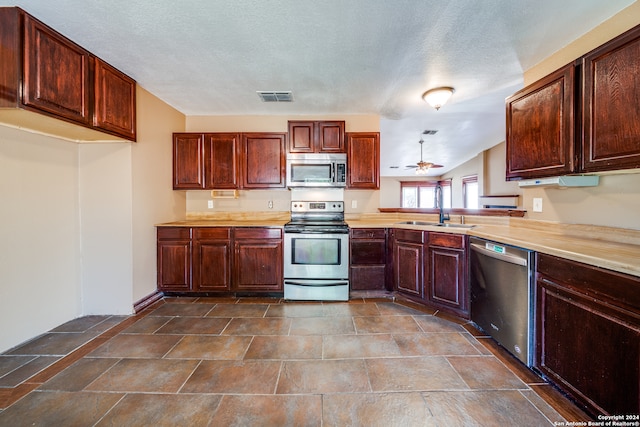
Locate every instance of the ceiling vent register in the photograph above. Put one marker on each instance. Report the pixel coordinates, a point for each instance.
(275, 96)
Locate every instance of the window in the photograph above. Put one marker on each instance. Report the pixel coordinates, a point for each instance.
(470, 191)
(422, 194)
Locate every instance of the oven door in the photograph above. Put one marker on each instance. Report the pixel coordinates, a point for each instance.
(316, 256)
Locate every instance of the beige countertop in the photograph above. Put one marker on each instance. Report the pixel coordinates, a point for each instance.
(611, 248)
(223, 223)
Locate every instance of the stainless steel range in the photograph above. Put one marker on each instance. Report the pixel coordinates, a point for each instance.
(316, 252)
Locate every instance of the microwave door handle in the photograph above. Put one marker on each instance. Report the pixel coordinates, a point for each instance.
(333, 172)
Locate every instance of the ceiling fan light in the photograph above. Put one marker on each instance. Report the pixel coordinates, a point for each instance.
(437, 97)
(423, 168)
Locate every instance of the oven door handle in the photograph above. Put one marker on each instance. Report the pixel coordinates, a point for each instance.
(340, 283)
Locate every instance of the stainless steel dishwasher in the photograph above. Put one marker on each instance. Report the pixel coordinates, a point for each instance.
(503, 295)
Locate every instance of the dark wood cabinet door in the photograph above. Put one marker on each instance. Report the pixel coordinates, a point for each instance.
(588, 334)
(301, 136)
(540, 127)
(316, 136)
(56, 73)
(221, 160)
(188, 162)
(211, 259)
(263, 160)
(258, 260)
(174, 259)
(330, 137)
(447, 284)
(408, 262)
(368, 258)
(115, 101)
(363, 160)
(611, 116)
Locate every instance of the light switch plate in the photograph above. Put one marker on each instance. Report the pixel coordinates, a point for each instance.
(210, 204)
(537, 204)
(354, 204)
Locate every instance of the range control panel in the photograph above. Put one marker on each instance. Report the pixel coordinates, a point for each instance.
(317, 206)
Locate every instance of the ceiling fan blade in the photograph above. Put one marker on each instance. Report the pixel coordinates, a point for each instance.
(411, 166)
(436, 166)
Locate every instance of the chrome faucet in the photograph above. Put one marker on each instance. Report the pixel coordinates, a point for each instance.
(442, 217)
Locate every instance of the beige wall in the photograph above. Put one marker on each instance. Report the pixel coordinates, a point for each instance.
(105, 227)
(124, 190)
(77, 222)
(616, 25)
(154, 200)
(39, 229)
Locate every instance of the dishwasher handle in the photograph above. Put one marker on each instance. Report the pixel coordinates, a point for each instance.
(513, 259)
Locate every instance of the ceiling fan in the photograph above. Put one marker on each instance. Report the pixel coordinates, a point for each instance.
(422, 167)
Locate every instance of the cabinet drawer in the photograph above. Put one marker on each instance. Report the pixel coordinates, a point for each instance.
(446, 240)
(618, 289)
(222, 233)
(368, 233)
(174, 233)
(414, 236)
(258, 233)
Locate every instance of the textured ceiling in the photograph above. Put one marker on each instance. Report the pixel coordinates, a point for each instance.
(209, 57)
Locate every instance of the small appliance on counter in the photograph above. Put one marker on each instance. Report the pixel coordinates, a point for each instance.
(316, 248)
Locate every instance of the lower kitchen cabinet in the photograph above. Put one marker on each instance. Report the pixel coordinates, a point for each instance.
(258, 260)
(588, 334)
(174, 259)
(200, 259)
(447, 282)
(212, 259)
(368, 247)
(408, 262)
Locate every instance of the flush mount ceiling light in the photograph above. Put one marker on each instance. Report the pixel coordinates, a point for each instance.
(437, 97)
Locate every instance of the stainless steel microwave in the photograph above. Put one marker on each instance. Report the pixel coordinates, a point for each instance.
(317, 170)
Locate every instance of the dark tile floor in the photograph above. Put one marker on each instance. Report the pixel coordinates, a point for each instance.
(264, 362)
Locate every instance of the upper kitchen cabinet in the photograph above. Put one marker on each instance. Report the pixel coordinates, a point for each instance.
(221, 160)
(43, 72)
(205, 161)
(540, 127)
(115, 101)
(316, 136)
(363, 160)
(263, 159)
(583, 118)
(188, 161)
(56, 73)
(611, 117)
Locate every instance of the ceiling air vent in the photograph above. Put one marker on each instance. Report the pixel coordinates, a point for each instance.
(275, 96)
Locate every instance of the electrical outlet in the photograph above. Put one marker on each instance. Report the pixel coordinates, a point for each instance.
(537, 204)
(354, 204)
(270, 204)
(210, 204)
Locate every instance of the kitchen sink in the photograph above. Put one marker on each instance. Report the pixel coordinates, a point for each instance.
(447, 224)
(417, 223)
(436, 224)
